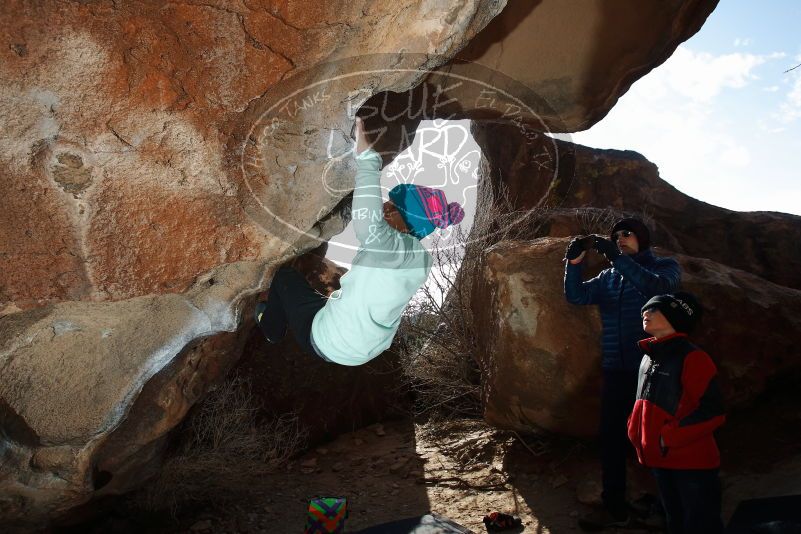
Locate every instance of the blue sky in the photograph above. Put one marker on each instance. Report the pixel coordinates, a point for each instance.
(720, 117)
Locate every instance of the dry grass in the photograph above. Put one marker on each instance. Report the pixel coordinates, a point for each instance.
(444, 380)
(596, 220)
(224, 451)
(600, 220)
(437, 335)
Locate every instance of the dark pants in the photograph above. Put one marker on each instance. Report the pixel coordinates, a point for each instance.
(691, 498)
(292, 302)
(617, 401)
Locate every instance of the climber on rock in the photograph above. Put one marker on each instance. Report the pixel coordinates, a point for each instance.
(359, 320)
(620, 291)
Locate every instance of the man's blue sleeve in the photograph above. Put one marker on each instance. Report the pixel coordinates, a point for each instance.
(578, 292)
(664, 277)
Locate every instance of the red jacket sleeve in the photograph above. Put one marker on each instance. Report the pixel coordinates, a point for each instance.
(700, 409)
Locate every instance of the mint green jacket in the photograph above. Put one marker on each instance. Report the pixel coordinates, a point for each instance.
(360, 319)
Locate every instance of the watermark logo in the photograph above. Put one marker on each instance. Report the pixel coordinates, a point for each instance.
(299, 161)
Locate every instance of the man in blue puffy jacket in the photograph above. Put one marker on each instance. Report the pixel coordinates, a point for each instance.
(620, 292)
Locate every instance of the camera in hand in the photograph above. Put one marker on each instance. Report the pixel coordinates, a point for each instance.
(587, 242)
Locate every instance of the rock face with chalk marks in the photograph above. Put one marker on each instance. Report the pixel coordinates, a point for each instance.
(133, 235)
(160, 159)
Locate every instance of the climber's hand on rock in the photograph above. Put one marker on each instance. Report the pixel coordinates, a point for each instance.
(362, 143)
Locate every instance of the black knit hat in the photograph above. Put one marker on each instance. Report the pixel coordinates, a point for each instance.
(636, 226)
(681, 309)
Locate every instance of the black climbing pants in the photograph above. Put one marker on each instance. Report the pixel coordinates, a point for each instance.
(691, 498)
(618, 394)
(291, 303)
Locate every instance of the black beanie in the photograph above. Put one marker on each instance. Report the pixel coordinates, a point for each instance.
(636, 226)
(681, 309)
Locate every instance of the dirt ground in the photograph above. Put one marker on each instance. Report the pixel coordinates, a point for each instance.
(461, 470)
(465, 469)
(395, 470)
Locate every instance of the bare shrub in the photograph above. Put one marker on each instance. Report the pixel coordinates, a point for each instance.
(224, 451)
(600, 220)
(437, 335)
(596, 220)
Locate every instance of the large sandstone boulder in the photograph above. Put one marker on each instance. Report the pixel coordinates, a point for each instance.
(569, 60)
(90, 390)
(140, 201)
(125, 126)
(540, 356)
(160, 159)
(547, 66)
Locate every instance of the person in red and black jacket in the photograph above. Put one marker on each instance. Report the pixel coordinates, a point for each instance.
(678, 407)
